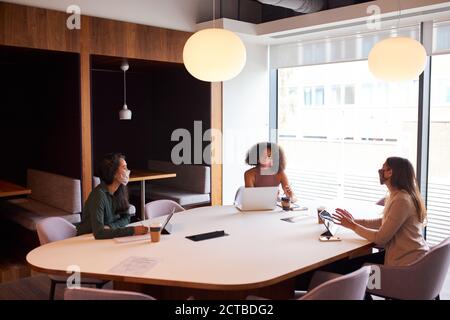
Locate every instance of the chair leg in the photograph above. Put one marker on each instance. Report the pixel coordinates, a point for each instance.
(52, 289)
(101, 285)
(368, 297)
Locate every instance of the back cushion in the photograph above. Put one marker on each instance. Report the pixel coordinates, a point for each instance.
(95, 182)
(193, 178)
(55, 190)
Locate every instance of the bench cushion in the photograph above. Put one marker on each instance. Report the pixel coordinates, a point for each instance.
(182, 197)
(28, 212)
(191, 178)
(55, 190)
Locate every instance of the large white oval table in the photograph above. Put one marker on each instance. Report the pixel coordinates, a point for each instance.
(262, 254)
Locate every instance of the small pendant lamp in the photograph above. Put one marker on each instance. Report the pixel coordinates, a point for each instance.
(125, 113)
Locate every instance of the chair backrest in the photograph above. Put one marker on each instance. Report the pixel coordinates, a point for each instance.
(57, 191)
(193, 178)
(161, 208)
(95, 181)
(429, 273)
(55, 229)
(348, 287)
(100, 294)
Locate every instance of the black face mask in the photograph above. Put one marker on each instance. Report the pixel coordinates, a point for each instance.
(381, 175)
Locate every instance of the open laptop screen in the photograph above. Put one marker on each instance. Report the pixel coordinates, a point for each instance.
(168, 219)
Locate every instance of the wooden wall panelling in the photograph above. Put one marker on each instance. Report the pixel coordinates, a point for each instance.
(31, 27)
(123, 39)
(85, 88)
(217, 159)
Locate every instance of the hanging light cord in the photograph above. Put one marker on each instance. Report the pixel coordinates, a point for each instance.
(399, 13)
(125, 87)
(214, 13)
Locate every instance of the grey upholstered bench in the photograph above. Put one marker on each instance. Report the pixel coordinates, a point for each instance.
(191, 187)
(52, 195)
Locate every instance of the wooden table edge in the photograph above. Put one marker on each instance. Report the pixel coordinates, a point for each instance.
(155, 177)
(206, 286)
(15, 193)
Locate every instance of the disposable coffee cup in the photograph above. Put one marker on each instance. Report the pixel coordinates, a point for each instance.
(319, 210)
(155, 232)
(286, 203)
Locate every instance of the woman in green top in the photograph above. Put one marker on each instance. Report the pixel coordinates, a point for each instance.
(105, 211)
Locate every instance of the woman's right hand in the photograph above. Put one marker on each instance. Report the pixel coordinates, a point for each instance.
(291, 194)
(140, 230)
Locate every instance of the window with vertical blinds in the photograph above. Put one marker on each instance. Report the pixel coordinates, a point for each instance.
(331, 50)
(321, 83)
(438, 200)
(441, 35)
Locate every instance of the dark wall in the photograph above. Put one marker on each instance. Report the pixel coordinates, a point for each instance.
(40, 113)
(162, 99)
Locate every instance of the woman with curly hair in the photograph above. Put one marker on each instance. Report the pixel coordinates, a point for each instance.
(269, 162)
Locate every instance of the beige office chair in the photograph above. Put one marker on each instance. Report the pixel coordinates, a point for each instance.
(159, 208)
(56, 229)
(331, 286)
(422, 280)
(101, 294)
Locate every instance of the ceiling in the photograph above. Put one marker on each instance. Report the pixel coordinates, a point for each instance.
(176, 14)
(253, 21)
(173, 14)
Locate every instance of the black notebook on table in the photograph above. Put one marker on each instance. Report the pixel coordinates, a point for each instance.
(206, 236)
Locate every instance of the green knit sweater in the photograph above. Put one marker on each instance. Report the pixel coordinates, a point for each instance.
(100, 210)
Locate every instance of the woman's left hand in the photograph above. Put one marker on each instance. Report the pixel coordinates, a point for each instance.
(344, 218)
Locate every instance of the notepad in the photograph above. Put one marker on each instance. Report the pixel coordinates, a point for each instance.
(143, 237)
(294, 207)
(295, 218)
(134, 266)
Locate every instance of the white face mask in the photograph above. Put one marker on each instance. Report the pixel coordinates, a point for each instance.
(125, 177)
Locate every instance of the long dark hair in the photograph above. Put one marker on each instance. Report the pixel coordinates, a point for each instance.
(252, 157)
(404, 178)
(106, 171)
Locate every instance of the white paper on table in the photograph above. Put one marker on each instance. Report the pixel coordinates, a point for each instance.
(134, 266)
(133, 238)
(297, 218)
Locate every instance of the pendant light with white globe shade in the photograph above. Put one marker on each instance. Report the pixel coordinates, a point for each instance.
(214, 54)
(397, 58)
(125, 113)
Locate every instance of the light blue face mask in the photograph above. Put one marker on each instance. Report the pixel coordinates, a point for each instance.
(125, 177)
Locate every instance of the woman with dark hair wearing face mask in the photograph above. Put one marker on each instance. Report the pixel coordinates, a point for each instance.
(105, 211)
(400, 230)
(269, 162)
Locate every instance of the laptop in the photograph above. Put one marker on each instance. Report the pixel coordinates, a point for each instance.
(166, 229)
(256, 199)
(166, 226)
